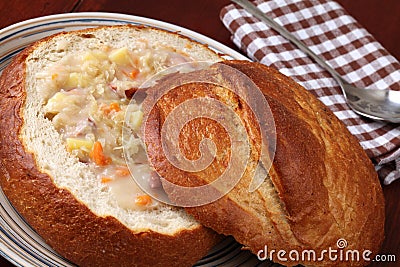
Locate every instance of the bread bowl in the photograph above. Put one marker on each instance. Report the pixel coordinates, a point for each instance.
(321, 193)
(153, 249)
(44, 168)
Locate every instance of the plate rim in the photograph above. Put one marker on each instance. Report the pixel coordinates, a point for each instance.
(119, 17)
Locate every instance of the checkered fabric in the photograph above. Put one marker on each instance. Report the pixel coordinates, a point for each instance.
(337, 37)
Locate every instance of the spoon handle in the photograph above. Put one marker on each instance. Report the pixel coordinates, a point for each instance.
(249, 7)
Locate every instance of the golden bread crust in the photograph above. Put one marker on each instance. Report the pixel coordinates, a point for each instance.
(322, 187)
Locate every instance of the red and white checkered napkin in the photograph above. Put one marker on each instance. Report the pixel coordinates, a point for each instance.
(331, 33)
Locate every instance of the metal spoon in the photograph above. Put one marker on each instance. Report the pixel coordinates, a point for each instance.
(372, 103)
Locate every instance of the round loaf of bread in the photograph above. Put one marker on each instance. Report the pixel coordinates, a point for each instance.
(60, 196)
(321, 203)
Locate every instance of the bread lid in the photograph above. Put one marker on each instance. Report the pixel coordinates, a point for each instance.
(320, 189)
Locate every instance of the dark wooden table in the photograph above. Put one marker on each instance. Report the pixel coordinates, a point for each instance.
(381, 18)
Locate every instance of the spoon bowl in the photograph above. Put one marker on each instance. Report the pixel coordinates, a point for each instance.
(373, 103)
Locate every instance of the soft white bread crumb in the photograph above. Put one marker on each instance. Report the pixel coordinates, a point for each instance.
(41, 138)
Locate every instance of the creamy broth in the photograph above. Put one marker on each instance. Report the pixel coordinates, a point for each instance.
(87, 95)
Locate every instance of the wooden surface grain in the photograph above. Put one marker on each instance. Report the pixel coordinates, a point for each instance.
(380, 18)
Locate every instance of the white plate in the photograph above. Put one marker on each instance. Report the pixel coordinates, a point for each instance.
(18, 241)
